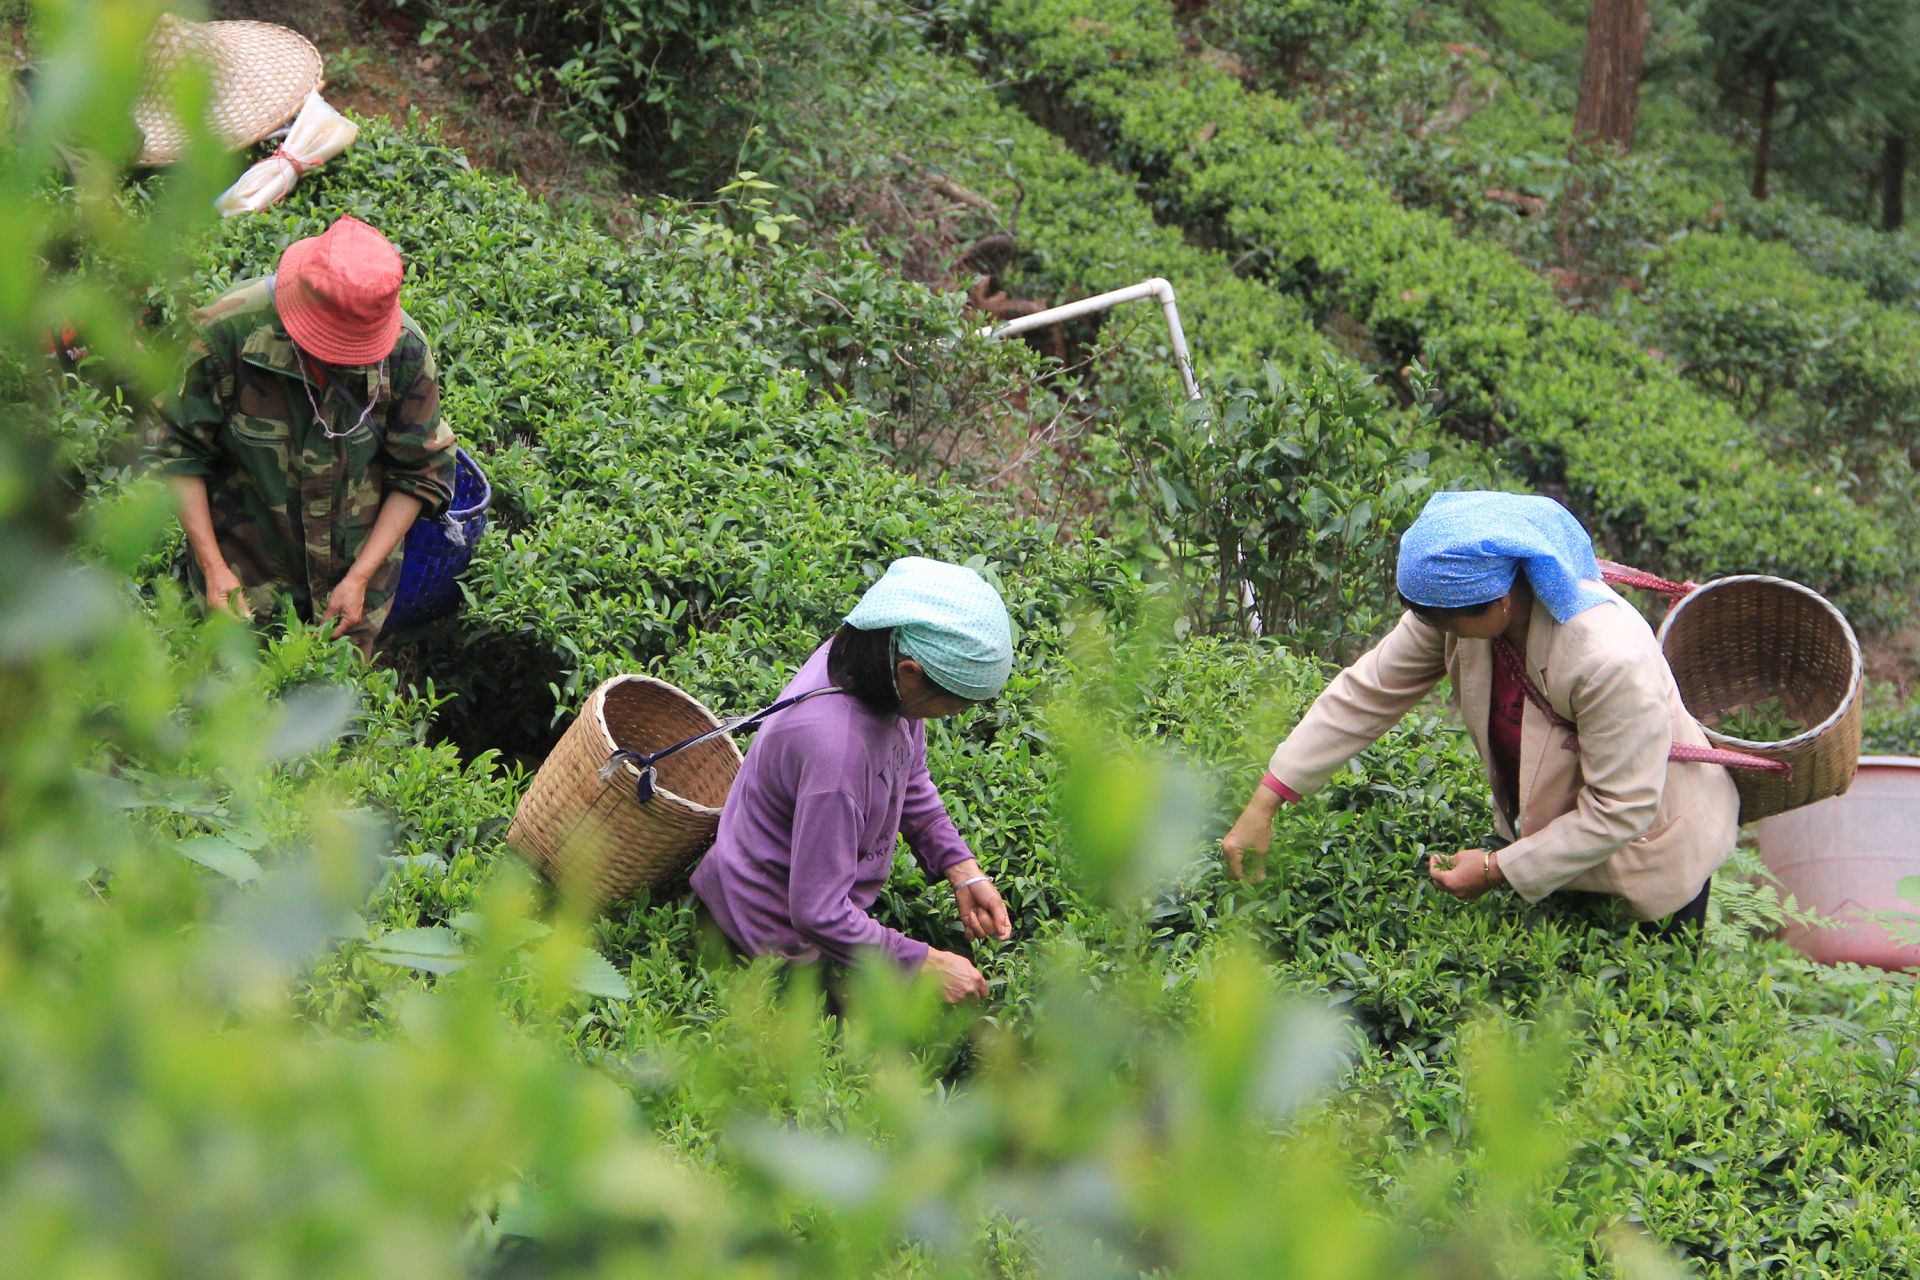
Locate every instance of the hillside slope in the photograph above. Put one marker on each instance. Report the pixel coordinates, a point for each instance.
(279, 1000)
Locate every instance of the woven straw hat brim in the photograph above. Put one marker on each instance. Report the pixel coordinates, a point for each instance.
(261, 74)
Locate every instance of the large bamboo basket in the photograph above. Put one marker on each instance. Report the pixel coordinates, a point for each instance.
(595, 837)
(1742, 640)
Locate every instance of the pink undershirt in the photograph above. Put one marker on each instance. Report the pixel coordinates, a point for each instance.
(1504, 718)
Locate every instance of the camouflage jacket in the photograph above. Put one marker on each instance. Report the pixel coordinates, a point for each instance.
(291, 507)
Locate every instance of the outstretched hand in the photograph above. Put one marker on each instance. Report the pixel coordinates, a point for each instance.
(958, 978)
(1467, 874)
(982, 911)
(348, 604)
(1245, 845)
(226, 594)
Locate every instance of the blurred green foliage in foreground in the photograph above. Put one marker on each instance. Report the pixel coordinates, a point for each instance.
(222, 1055)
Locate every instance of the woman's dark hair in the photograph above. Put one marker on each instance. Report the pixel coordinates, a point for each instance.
(1443, 613)
(861, 662)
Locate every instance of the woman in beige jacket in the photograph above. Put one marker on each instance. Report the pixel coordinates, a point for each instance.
(1504, 598)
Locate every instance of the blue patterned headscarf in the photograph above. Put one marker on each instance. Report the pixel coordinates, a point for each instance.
(947, 618)
(1467, 548)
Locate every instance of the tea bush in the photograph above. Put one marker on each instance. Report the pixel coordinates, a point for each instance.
(1604, 221)
(1748, 317)
(1287, 502)
(882, 118)
(1288, 39)
(895, 115)
(277, 1002)
(1886, 265)
(1664, 473)
(1890, 724)
(628, 78)
(894, 118)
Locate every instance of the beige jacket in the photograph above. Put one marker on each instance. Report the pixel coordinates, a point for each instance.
(1609, 814)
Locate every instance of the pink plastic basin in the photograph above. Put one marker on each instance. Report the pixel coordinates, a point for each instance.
(1842, 858)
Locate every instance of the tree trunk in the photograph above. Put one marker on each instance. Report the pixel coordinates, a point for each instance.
(1893, 183)
(1763, 150)
(1610, 73)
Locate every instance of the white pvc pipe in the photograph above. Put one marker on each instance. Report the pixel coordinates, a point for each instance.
(1155, 288)
(1161, 291)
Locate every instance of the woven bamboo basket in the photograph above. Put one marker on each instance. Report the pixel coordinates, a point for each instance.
(1744, 640)
(261, 74)
(595, 838)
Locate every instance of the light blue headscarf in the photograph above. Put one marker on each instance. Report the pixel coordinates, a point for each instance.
(947, 618)
(1466, 548)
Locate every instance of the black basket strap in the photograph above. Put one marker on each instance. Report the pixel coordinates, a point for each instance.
(644, 761)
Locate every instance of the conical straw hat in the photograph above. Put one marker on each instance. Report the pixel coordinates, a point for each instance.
(261, 73)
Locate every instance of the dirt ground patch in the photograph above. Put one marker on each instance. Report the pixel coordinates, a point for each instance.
(1893, 656)
(377, 67)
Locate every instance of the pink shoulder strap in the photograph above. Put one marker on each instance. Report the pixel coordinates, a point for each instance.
(1509, 657)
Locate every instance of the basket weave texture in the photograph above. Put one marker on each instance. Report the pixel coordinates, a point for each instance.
(259, 73)
(432, 563)
(1743, 640)
(595, 838)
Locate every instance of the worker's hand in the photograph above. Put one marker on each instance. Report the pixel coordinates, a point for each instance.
(982, 911)
(348, 603)
(959, 980)
(1245, 846)
(225, 594)
(1466, 874)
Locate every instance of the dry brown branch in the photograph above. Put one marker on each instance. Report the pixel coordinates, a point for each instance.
(1461, 107)
(1532, 206)
(954, 191)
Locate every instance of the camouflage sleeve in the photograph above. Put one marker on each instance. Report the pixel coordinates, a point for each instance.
(419, 447)
(185, 441)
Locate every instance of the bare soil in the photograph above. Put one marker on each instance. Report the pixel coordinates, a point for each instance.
(377, 67)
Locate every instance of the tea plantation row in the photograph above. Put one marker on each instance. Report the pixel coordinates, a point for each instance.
(1780, 307)
(675, 498)
(1671, 475)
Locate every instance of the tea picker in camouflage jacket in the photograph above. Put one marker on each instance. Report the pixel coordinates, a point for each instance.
(306, 436)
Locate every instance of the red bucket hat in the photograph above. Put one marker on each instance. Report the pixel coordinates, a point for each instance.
(338, 293)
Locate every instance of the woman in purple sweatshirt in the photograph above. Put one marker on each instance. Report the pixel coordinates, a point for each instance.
(807, 834)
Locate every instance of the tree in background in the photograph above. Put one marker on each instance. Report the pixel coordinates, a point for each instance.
(1610, 73)
(1893, 81)
(1784, 63)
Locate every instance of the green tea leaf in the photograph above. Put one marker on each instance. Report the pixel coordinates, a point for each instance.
(594, 975)
(435, 949)
(218, 853)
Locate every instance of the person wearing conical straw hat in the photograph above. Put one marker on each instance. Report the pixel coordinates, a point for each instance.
(1568, 698)
(306, 438)
(807, 834)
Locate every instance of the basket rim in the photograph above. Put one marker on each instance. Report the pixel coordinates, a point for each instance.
(1812, 732)
(597, 703)
(463, 514)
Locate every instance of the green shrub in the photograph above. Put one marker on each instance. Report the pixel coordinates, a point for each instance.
(1282, 507)
(1284, 39)
(1663, 473)
(1751, 318)
(892, 123)
(1602, 219)
(1886, 265)
(1082, 230)
(1891, 724)
(249, 1033)
(627, 78)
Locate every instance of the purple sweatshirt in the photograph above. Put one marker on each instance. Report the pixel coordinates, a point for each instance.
(808, 832)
